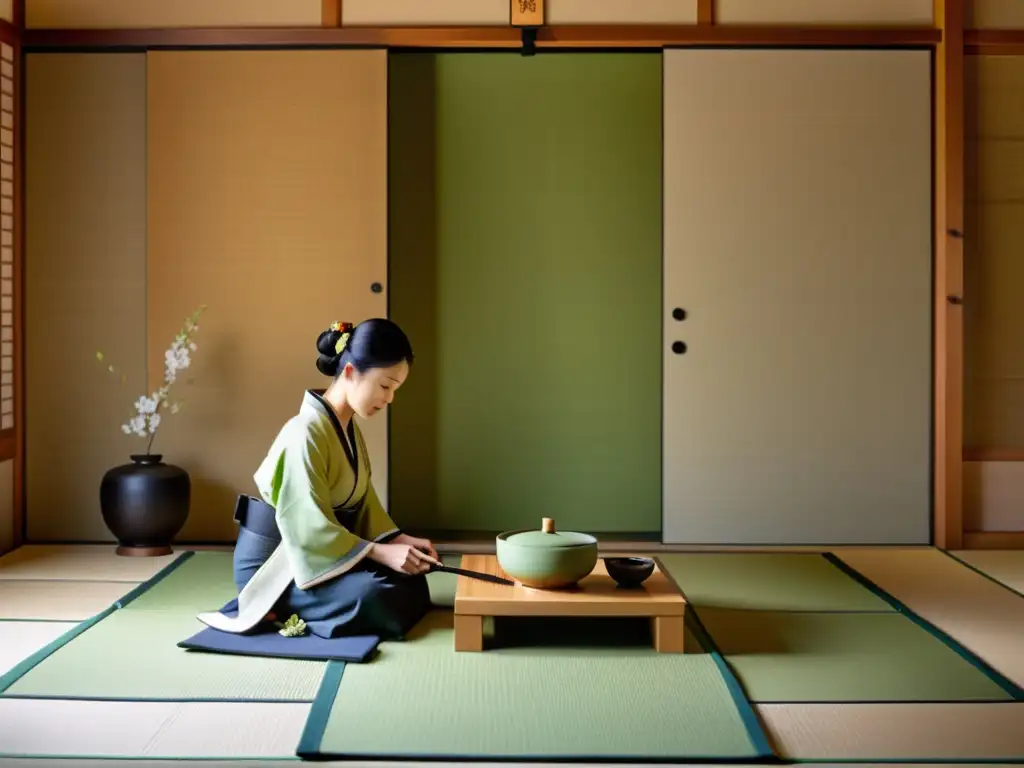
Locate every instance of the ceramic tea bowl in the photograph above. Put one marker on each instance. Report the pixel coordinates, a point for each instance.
(545, 558)
(629, 572)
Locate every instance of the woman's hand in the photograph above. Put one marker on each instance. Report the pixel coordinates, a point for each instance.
(423, 545)
(402, 557)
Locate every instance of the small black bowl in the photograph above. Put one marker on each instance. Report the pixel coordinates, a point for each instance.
(629, 571)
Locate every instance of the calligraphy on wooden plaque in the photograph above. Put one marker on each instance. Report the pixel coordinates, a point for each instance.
(527, 13)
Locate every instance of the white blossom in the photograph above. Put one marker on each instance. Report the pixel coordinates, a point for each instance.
(147, 404)
(177, 358)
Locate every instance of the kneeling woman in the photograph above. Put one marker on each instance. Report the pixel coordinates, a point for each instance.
(320, 544)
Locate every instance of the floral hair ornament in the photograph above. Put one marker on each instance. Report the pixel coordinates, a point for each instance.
(346, 333)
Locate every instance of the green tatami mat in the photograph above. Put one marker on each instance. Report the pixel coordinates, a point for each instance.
(201, 581)
(843, 657)
(204, 582)
(132, 653)
(768, 582)
(420, 699)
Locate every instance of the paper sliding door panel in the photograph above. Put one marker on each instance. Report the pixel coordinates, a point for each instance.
(993, 267)
(798, 241)
(424, 13)
(85, 282)
(143, 14)
(994, 14)
(614, 12)
(267, 202)
(825, 12)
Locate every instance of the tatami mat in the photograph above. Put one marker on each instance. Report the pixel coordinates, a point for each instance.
(87, 562)
(768, 582)
(982, 616)
(531, 699)
(896, 732)
(20, 639)
(833, 657)
(42, 727)
(133, 653)
(57, 600)
(271, 763)
(1005, 566)
(51, 583)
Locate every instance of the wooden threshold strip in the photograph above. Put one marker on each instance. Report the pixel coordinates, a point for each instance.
(994, 540)
(994, 454)
(582, 36)
(994, 42)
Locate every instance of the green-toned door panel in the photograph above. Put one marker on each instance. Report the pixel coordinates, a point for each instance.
(525, 263)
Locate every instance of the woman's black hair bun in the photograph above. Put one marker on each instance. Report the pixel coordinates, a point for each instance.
(326, 343)
(375, 343)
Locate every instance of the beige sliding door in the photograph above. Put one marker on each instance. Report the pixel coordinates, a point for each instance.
(85, 281)
(798, 245)
(267, 175)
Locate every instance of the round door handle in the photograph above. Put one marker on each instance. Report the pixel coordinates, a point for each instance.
(679, 347)
(376, 288)
(679, 313)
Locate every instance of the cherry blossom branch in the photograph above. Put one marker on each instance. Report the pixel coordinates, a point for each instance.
(177, 358)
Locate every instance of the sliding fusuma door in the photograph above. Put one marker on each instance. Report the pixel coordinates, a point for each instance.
(797, 296)
(525, 229)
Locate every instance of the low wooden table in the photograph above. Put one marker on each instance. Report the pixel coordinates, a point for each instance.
(595, 596)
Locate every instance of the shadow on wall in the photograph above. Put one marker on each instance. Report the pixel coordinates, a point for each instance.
(218, 370)
(412, 243)
(216, 500)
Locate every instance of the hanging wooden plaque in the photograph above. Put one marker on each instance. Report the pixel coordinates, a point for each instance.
(527, 13)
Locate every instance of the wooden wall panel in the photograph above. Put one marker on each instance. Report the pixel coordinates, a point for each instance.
(994, 496)
(128, 14)
(824, 12)
(424, 13)
(85, 281)
(617, 12)
(9, 313)
(995, 14)
(7, 10)
(993, 277)
(993, 266)
(267, 202)
(7, 520)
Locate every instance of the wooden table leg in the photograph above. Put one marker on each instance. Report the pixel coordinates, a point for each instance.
(469, 632)
(668, 634)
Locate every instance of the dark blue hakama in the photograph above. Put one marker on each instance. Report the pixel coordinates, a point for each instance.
(369, 599)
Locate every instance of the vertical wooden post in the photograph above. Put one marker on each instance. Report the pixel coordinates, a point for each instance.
(526, 13)
(949, 274)
(705, 11)
(330, 13)
(20, 504)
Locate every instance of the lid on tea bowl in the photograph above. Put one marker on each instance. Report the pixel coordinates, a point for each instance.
(548, 537)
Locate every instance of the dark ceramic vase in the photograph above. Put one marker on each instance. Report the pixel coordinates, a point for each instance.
(145, 504)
